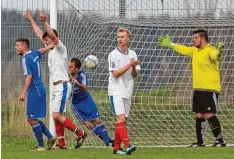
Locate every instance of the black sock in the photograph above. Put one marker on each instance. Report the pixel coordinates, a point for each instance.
(200, 130)
(215, 128)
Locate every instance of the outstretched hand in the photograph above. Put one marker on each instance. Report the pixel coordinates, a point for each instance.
(165, 41)
(219, 48)
(28, 15)
(42, 16)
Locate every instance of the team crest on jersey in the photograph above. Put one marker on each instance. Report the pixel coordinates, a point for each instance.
(113, 65)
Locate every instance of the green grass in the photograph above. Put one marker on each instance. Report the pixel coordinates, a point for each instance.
(21, 151)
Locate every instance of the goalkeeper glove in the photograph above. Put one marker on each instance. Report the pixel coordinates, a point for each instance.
(165, 41)
(220, 49)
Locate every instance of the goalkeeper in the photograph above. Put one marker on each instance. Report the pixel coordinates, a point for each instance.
(84, 107)
(206, 83)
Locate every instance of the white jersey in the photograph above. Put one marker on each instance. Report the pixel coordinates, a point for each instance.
(122, 85)
(57, 62)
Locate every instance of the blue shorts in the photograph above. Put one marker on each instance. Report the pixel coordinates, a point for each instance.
(86, 110)
(36, 103)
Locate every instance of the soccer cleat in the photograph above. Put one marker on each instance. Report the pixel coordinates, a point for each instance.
(51, 142)
(197, 144)
(80, 140)
(130, 149)
(110, 143)
(119, 151)
(57, 146)
(219, 144)
(38, 148)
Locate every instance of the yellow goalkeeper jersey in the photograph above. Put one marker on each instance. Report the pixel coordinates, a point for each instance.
(205, 66)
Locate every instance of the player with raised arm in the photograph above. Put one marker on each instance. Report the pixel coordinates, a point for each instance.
(57, 62)
(206, 83)
(35, 90)
(123, 68)
(85, 108)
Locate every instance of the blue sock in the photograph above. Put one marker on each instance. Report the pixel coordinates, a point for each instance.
(38, 134)
(45, 130)
(101, 132)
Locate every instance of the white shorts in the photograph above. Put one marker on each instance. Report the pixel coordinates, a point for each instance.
(120, 105)
(60, 95)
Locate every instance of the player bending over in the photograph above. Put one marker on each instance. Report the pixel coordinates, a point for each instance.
(85, 108)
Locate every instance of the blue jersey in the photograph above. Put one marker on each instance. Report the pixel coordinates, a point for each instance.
(31, 65)
(77, 94)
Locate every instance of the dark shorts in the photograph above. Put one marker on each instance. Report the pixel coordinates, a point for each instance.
(205, 102)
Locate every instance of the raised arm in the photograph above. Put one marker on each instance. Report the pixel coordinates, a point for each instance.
(49, 30)
(184, 50)
(35, 27)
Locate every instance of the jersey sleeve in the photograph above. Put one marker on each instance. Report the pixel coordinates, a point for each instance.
(61, 46)
(113, 65)
(27, 66)
(184, 50)
(38, 52)
(83, 79)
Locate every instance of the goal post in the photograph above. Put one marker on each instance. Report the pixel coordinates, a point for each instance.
(53, 24)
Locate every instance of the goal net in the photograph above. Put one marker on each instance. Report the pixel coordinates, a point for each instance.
(161, 104)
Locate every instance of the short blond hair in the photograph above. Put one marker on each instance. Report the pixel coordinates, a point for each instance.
(124, 30)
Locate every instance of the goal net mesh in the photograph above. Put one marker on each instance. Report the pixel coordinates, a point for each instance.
(161, 112)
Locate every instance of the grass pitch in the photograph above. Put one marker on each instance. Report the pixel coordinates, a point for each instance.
(16, 150)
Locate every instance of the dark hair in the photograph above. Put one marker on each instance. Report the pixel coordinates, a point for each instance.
(77, 62)
(202, 33)
(23, 40)
(45, 34)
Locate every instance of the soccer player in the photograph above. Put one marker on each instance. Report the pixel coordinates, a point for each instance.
(35, 90)
(206, 83)
(123, 68)
(85, 108)
(57, 62)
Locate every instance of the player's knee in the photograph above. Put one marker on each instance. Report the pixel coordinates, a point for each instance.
(121, 118)
(32, 121)
(209, 115)
(97, 121)
(88, 125)
(199, 115)
(56, 116)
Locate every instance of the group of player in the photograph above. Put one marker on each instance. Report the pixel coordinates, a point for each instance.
(123, 68)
